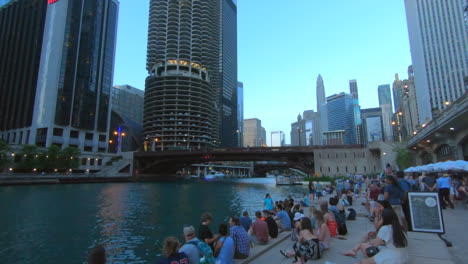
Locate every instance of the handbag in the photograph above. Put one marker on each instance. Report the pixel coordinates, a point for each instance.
(372, 251)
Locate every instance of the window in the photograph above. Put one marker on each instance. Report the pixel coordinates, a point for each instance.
(101, 150)
(91, 162)
(328, 169)
(337, 169)
(345, 155)
(88, 149)
(102, 138)
(74, 134)
(336, 155)
(89, 136)
(83, 161)
(320, 169)
(58, 132)
(355, 169)
(99, 162)
(365, 168)
(346, 168)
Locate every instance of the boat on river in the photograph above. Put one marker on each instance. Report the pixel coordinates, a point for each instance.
(214, 175)
(289, 180)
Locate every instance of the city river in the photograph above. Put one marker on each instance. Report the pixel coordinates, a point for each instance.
(60, 223)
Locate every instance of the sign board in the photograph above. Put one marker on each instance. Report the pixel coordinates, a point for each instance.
(426, 215)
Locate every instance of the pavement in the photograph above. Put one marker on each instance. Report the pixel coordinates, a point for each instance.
(423, 247)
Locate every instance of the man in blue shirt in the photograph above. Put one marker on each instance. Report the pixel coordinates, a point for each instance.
(283, 220)
(443, 184)
(245, 221)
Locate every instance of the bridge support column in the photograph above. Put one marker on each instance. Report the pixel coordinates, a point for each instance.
(198, 172)
(205, 171)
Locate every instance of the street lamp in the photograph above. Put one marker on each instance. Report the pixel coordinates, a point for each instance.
(119, 133)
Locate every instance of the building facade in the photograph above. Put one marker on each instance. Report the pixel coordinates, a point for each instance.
(240, 114)
(353, 89)
(372, 125)
(340, 110)
(127, 117)
(228, 114)
(321, 109)
(68, 102)
(277, 139)
(254, 133)
(439, 50)
(385, 103)
(306, 131)
(190, 96)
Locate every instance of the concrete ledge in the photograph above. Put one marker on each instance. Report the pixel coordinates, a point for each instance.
(259, 250)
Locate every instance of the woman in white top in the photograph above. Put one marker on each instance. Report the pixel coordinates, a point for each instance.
(391, 241)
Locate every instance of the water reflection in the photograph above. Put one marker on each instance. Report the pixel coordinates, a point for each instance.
(45, 223)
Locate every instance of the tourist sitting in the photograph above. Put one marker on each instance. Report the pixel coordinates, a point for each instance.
(204, 233)
(390, 244)
(245, 221)
(283, 220)
(305, 201)
(171, 254)
(259, 230)
(224, 248)
(297, 209)
(322, 231)
(344, 198)
(297, 226)
(240, 237)
(272, 226)
(191, 245)
(329, 219)
(308, 245)
(97, 255)
(350, 196)
(339, 213)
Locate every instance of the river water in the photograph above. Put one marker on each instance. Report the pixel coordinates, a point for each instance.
(60, 223)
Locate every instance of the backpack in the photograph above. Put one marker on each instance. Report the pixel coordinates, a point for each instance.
(205, 251)
(352, 214)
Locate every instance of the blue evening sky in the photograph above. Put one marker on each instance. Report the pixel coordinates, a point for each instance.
(284, 45)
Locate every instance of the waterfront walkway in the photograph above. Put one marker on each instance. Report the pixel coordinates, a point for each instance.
(423, 248)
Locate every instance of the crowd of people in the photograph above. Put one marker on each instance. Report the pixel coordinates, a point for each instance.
(313, 228)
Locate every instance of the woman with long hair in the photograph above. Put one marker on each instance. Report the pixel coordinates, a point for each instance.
(329, 219)
(389, 246)
(308, 246)
(322, 231)
(170, 252)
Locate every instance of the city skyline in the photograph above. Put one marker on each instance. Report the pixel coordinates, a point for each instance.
(352, 46)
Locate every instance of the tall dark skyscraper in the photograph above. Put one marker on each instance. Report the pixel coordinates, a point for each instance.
(229, 128)
(56, 86)
(190, 95)
(353, 89)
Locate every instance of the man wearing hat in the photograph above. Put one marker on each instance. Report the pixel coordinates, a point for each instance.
(443, 185)
(190, 249)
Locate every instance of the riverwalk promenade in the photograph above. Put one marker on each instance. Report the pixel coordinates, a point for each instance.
(423, 248)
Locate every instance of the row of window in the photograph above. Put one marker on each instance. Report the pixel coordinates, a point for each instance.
(92, 162)
(343, 155)
(346, 170)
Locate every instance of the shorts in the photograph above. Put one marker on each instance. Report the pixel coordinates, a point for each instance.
(452, 191)
(311, 192)
(319, 194)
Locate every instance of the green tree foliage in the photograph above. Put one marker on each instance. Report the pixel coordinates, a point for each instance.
(71, 158)
(404, 157)
(4, 149)
(29, 157)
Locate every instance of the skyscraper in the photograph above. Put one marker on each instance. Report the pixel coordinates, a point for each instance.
(439, 50)
(385, 102)
(322, 109)
(340, 110)
(253, 133)
(409, 107)
(353, 89)
(190, 96)
(228, 113)
(305, 131)
(56, 88)
(277, 138)
(240, 113)
(372, 124)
